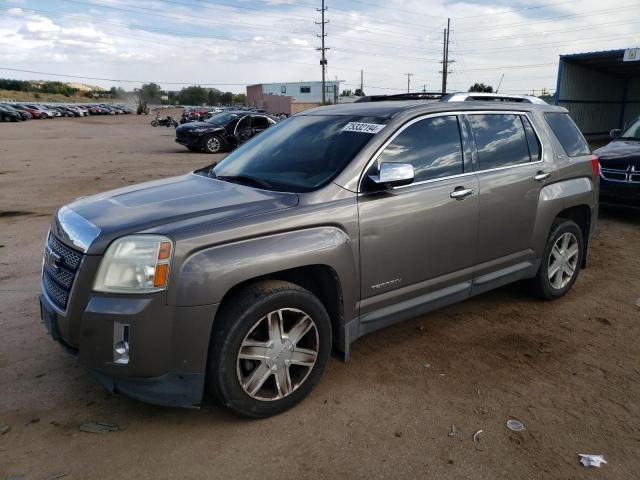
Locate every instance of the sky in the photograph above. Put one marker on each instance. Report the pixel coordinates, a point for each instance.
(229, 44)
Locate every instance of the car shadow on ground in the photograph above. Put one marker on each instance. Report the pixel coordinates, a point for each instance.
(627, 215)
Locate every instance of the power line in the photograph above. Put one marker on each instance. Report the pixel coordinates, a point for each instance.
(121, 80)
(550, 19)
(223, 38)
(514, 10)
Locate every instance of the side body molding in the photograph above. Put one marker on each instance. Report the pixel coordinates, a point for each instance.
(207, 275)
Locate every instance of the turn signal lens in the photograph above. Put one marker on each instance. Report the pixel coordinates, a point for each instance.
(595, 164)
(162, 272)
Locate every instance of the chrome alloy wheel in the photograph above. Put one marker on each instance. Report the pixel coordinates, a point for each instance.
(213, 144)
(277, 354)
(563, 260)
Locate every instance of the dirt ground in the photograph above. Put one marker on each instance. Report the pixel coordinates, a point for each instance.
(569, 369)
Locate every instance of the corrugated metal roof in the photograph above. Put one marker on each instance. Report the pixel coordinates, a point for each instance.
(596, 53)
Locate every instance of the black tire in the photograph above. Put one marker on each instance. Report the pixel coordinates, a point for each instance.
(212, 144)
(237, 319)
(542, 284)
(154, 123)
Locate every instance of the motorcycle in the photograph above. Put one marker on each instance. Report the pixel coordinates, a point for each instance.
(169, 121)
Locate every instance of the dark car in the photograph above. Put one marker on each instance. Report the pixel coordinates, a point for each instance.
(224, 131)
(24, 115)
(7, 115)
(620, 167)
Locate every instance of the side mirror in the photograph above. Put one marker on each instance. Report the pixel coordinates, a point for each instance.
(394, 174)
(615, 133)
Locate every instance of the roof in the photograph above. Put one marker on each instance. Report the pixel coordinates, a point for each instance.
(295, 83)
(388, 109)
(605, 61)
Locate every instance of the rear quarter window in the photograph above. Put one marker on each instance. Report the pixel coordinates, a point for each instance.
(572, 141)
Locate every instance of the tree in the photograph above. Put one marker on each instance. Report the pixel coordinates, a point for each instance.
(227, 98)
(150, 93)
(193, 95)
(481, 87)
(239, 99)
(215, 97)
(117, 92)
(346, 93)
(359, 93)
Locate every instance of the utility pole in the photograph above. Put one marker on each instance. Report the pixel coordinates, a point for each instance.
(409, 75)
(361, 82)
(323, 49)
(445, 56)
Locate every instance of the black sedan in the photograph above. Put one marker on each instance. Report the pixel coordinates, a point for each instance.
(620, 167)
(9, 115)
(224, 131)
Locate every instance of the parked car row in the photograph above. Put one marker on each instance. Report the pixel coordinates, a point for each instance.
(200, 114)
(17, 112)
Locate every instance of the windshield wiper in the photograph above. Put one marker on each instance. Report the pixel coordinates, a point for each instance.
(247, 179)
(628, 138)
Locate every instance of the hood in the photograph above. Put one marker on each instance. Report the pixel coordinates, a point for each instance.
(194, 125)
(620, 150)
(153, 204)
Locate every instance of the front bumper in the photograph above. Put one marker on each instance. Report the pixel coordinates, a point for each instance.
(190, 141)
(168, 345)
(619, 193)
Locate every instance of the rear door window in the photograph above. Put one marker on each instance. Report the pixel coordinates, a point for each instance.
(259, 122)
(567, 134)
(535, 149)
(501, 140)
(431, 145)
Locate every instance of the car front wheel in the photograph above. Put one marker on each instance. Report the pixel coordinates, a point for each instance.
(212, 144)
(562, 260)
(270, 348)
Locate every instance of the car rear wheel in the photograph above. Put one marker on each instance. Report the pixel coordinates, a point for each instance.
(561, 262)
(270, 348)
(212, 144)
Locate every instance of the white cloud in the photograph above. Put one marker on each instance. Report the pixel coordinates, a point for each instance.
(279, 43)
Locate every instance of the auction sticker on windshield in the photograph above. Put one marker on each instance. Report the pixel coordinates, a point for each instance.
(362, 127)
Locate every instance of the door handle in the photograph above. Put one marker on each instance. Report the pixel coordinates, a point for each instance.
(541, 176)
(461, 193)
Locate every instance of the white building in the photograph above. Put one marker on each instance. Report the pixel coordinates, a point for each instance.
(304, 92)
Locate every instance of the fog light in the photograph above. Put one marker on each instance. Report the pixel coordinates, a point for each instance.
(120, 343)
(122, 348)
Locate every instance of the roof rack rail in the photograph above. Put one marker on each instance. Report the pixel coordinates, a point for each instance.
(454, 97)
(491, 97)
(434, 96)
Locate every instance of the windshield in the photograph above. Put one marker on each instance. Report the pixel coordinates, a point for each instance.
(222, 118)
(302, 153)
(632, 132)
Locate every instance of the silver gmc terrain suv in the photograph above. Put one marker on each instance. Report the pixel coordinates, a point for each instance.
(241, 278)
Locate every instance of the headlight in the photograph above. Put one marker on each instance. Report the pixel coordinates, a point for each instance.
(135, 264)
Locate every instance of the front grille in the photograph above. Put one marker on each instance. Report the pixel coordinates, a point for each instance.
(60, 266)
(620, 171)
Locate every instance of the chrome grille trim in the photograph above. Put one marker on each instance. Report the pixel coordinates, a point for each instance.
(619, 172)
(58, 276)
